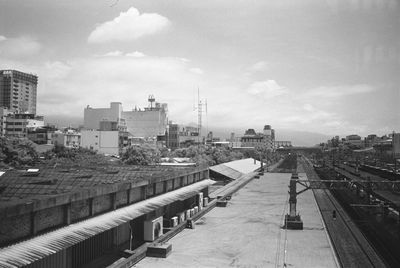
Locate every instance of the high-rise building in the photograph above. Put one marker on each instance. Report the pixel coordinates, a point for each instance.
(18, 91)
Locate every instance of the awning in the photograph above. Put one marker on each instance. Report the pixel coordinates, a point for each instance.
(41, 246)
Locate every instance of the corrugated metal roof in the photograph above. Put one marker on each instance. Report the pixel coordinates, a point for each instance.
(235, 169)
(226, 171)
(34, 249)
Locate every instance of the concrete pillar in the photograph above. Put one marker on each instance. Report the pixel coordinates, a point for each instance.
(67, 214)
(34, 223)
(113, 197)
(143, 192)
(128, 196)
(292, 197)
(91, 210)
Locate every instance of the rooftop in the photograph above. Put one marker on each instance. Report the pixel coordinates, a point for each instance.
(20, 186)
(248, 233)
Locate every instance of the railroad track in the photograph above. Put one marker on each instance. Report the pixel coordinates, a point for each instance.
(352, 247)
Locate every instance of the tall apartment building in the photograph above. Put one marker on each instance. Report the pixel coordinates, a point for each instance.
(18, 91)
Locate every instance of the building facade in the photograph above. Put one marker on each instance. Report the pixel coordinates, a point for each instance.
(18, 91)
(69, 138)
(18, 125)
(264, 140)
(94, 118)
(147, 123)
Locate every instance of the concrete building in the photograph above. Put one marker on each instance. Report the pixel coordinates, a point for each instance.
(69, 138)
(173, 136)
(18, 125)
(68, 218)
(355, 141)
(4, 112)
(106, 142)
(93, 118)
(263, 140)
(149, 122)
(18, 91)
(278, 144)
(41, 135)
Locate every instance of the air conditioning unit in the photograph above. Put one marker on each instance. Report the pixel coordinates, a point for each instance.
(153, 229)
(196, 210)
(174, 221)
(199, 200)
(181, 217)
(205, 201)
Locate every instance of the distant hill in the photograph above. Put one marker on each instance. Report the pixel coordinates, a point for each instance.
(63, 121)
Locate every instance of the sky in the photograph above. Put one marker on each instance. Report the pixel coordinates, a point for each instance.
(329, 67)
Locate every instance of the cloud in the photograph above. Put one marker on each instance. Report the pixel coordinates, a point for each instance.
(258, 66)
(196, 70)
(128, 26)
(136, 54)
(339, 91)
(18, 47)
(113, 53)
(267, 89)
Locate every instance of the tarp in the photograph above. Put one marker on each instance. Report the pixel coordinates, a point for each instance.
(39, 247)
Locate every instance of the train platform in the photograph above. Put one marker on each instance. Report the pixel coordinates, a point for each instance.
(248, 232)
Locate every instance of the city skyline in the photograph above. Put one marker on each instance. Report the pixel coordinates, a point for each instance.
(327, 67)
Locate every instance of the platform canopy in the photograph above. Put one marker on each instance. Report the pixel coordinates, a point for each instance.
(39, 247)
(236, 169)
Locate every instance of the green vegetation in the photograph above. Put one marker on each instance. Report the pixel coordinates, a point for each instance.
(20, 153)
(17, 152)
(141, 155)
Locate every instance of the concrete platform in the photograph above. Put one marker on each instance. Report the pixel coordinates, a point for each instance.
(248, 233)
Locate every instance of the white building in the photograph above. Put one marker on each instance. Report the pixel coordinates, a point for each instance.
(149, 122)
(93, 117)
(106, 142)
(69, 138)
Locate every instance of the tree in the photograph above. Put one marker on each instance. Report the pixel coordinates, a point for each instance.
(17, 152)
(141, 155)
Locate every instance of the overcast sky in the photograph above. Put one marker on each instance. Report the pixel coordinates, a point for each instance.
(331, 67)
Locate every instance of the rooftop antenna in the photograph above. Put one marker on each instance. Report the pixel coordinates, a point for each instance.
(151, 100)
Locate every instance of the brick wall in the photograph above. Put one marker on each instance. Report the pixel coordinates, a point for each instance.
(14, 228)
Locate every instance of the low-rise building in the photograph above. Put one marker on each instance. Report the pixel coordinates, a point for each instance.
(69, 138)
(17, 125)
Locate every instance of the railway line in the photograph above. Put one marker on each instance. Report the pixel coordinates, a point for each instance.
(351, 245)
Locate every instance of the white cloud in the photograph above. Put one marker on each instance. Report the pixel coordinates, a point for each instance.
(113, 54)
(339, 91)
(136, 54)
(267, 89)
(128, 26)
(196, 70)
(18, 47)
(258, 66)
